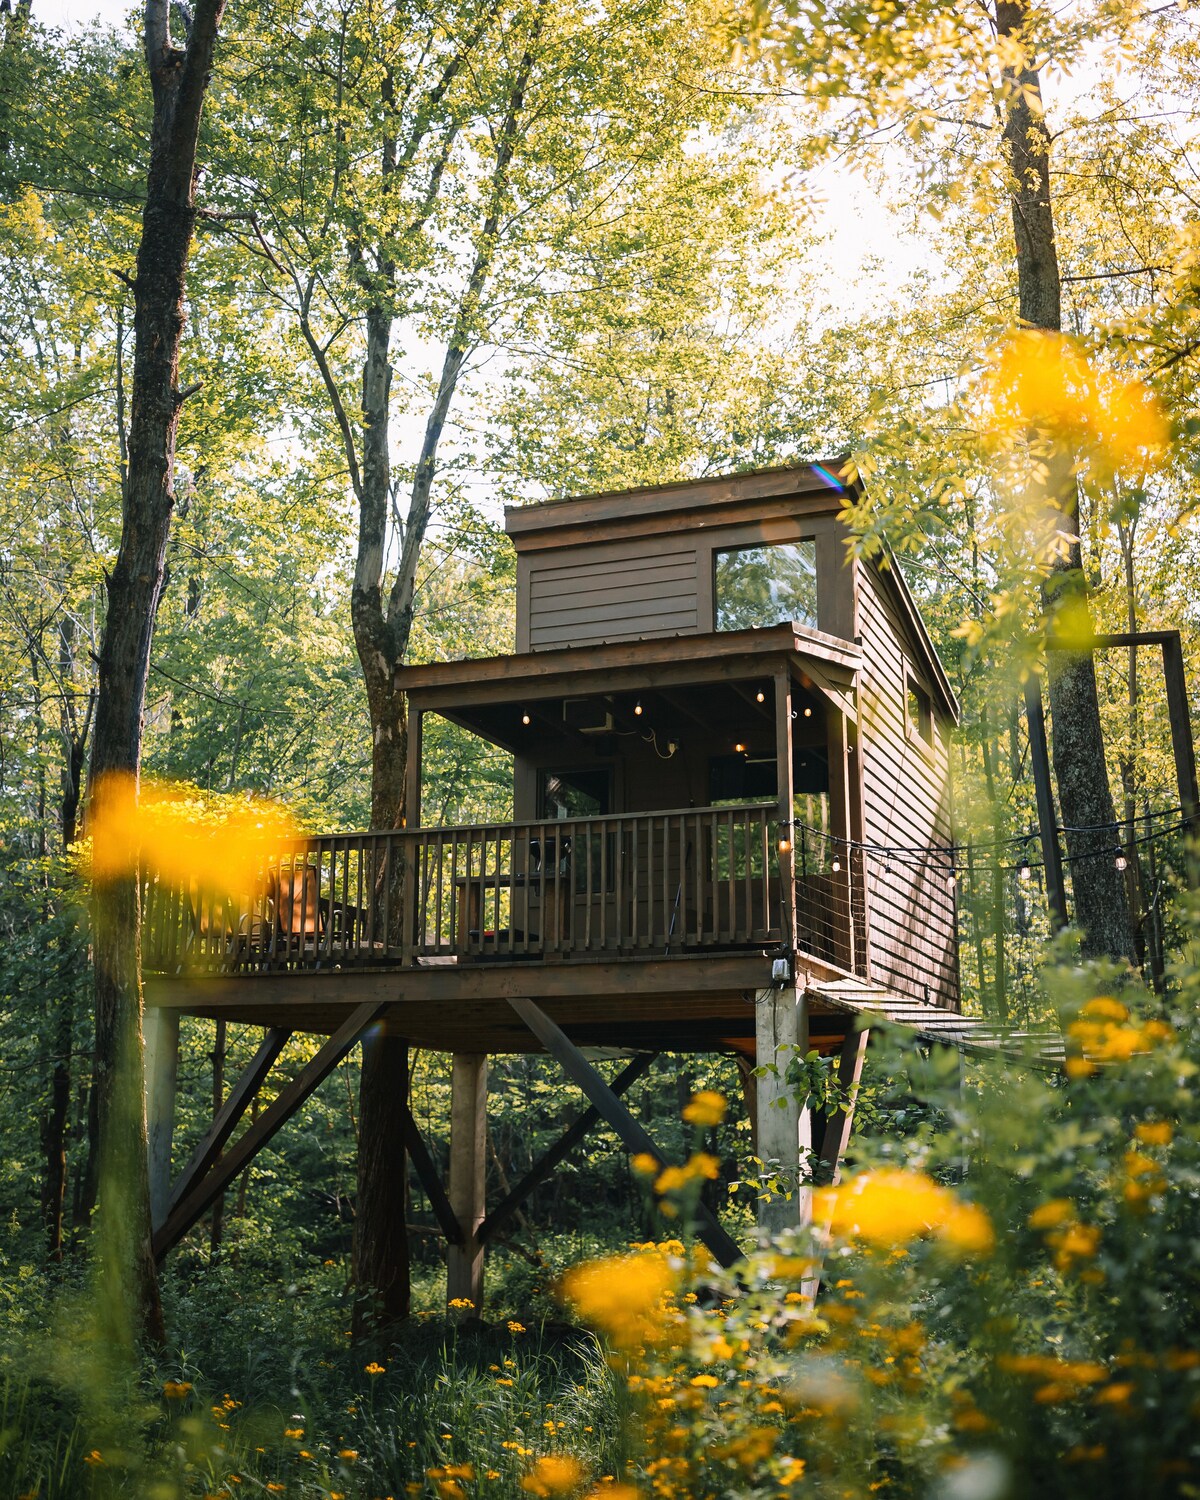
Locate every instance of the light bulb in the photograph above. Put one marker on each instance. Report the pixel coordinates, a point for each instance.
(761, 696)
(1024, 869)
(808, 713)
(784, 845)
(952, 880)
(1121, 862)
(836, 865)
(740, 748)
(525, 718)
(637, 708)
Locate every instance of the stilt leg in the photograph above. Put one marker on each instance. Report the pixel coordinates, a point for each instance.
(161, 1031)
(468, 1126)
(784, 1129)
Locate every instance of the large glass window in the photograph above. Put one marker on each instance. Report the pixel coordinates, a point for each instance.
(774, 585)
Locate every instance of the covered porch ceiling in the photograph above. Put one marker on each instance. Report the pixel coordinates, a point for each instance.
(678, 682)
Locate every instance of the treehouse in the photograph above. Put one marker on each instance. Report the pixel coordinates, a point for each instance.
(731, 831)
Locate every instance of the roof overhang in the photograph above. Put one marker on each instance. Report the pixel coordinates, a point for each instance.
(818, 661)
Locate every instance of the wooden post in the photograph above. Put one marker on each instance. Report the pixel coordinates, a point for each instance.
(784, 1130)
(468, 1128)
(1184, 749)
(784, 784)
(161, 1030)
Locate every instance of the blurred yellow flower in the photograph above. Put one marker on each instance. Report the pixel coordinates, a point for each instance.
(176, 1390)
(892, 1206)
(705, 1108)
(709, 1381)
(645, 1164)
(374, 1369)
(1051, 1214)
(553, 1474)
(671, 1180)
(623, 1295)
(185, 836)
(1076, 1242)
(1045, 383)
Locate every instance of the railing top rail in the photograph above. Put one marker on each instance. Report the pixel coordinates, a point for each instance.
(310, 839)
(627, 817)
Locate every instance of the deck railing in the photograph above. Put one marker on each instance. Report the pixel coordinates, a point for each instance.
(674, 882)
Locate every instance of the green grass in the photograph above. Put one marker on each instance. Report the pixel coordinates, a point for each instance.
(265, 1359)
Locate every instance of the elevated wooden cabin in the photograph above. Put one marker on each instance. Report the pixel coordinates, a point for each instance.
(731, 813)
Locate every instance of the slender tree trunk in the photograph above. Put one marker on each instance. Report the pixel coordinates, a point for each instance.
(179, 78)
(1085, 797)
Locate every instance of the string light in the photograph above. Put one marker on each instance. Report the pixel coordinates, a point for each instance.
(808, 713)
(1025, 869)
(525, 719)
(740, 748)
(836, 864)
(1121, 863)
(637, 708)
(760, 696)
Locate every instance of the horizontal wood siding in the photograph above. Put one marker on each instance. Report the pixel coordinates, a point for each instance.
(612, 594)
(906, 805)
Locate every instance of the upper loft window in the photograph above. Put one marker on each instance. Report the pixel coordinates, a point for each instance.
(774, 585)
(919, 712)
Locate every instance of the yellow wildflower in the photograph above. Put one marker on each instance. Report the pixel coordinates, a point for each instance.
(1154, 1133)
(176, 1390)
(644, 1164)
(1046, 382)
(553, 1474)
(710, 1381)
(671, 1180)
(701, 1164)
(348, 1455)
(892, 1206)
(515, 1327)
(623, 1295)
(705, 1108)
(1051, 1214)
(375, 1369)
(293, 1432)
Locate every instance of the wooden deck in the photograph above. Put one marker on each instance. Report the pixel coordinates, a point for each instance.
(635, 930)
(701, 1002)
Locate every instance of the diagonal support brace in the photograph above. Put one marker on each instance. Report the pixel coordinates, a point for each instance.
(545, 1165)
(838, 1122)
(427, 1173)
(240, 1098)
(189, 1209)
(633, 1137)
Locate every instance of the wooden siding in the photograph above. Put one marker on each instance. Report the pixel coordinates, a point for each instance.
(906, 805)
(612, 594)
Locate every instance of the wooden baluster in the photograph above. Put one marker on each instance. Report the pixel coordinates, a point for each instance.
(698, 879)
(603, 893)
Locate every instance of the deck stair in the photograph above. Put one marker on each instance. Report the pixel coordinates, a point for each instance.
(1041, 1046)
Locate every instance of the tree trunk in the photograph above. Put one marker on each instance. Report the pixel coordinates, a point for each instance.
(381, 1261)
(179, 78)
(1085, 797)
